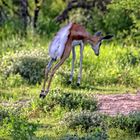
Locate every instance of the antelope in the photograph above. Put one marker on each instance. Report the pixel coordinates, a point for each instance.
(63, 43)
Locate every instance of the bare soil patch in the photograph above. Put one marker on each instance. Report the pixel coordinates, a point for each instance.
(119, 103)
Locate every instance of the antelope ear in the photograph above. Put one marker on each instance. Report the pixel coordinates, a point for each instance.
(98, 33)
(107, 37)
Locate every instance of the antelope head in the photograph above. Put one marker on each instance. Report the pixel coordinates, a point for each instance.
(97, 41)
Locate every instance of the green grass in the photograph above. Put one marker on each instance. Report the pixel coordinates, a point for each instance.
(115, 71)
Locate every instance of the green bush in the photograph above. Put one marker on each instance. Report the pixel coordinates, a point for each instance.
(76, 100)
(122, 18)
(96, 21)
(86, 120)
(46, 23)
(67, 100)
(19, 127)
(130, 122)
(29, 64)
(14, 124)
(70, 137)
(92, 124)
(14, 81)
(9, 28)
(13, 23)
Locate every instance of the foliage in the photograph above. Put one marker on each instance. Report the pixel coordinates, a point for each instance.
(111, 67)
(29, 64)
(86, 120)
(76, 100)
(19, 128)
(97, 135)
(96, 20)
(68, 100)
(72, 112)
(92, 123)
(15, 124)
(14, 81)
(123, 18)
(3, 113)
(12, 22)
(130, 122)
(122, 69)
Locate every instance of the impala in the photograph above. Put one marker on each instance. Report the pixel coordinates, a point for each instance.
(63, 43)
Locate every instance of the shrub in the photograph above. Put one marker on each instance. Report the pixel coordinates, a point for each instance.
(29, 64)
(86, 120)
(96, 20)
(18, 127)
(67, 100)
(130, 122)
(122, 18)
(50, 10)
(15, 124)
(97, 134)
(76, 100)
(92, 124)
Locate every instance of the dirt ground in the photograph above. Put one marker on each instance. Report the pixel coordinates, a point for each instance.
(119, 103)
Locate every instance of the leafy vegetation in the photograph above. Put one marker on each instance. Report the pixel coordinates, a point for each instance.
(18, 127)
(68, 112)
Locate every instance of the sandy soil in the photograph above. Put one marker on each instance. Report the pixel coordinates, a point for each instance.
(119, 103)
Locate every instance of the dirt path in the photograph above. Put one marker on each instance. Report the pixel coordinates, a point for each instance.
(119, 103)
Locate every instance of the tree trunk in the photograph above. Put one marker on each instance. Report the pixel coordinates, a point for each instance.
(36, 12)
(24, 14)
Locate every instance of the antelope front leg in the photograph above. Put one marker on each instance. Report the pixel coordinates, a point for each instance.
(47, 70)
(73, 60)
(81, 60)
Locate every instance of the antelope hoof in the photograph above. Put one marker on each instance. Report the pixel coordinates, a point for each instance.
(42, 95)
(78, 84)
(69, 82)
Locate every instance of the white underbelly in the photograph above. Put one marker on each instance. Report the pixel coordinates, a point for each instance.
(76, 42)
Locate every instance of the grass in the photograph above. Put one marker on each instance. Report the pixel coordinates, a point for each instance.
(115, 71)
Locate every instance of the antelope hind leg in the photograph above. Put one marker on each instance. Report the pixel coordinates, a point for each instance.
(47, 70)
